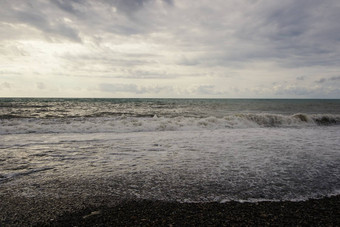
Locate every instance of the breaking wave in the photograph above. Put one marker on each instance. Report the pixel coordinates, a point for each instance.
(147, 123)
(299, 119)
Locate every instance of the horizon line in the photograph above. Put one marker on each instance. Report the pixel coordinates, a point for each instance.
(37, 97)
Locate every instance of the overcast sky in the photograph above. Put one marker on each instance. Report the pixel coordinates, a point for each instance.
(170, 48)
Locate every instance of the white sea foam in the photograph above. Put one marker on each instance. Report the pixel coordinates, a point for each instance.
(249, 164)
(146, 124)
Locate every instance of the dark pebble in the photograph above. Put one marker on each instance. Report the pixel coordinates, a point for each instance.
(314, 212)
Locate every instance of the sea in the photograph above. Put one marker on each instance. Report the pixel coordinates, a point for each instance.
(186, 150)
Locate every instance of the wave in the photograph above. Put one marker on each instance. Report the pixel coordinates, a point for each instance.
(13, 175)
(10, 116)
(46, 114)
(147, 123)
(299, 119)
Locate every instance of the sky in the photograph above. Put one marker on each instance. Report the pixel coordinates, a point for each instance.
(170, 48)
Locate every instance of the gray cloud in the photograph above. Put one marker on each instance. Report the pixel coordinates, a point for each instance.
(331, 79)
(304, 92)
(39, 15)
(131, 6)
(334, 78)
(292, 33)
(114, 88)
(5, 85)
(208, 90)
(295, 26)
(205, 89)
(41, 86)
(131, 88)
(168, 39)
(322, 80)
(294, 91)
(71, 6)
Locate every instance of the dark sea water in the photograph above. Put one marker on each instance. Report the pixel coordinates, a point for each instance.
(170, 149)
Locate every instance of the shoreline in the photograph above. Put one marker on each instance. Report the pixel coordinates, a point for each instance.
(313, 212)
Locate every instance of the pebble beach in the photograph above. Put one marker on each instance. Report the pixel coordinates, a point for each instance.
(313, 212)
(322, 212)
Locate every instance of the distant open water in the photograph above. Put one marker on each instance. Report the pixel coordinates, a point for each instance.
(171, 149)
